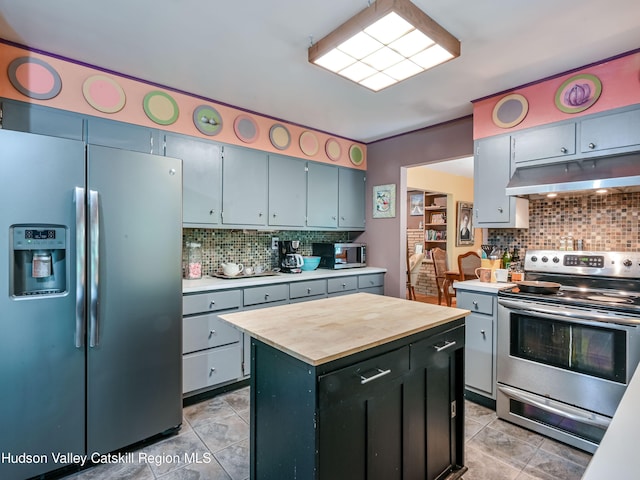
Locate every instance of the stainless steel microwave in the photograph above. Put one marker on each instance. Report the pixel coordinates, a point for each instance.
(341, 255)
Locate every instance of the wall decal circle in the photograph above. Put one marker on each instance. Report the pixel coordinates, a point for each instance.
(207, 120)
(333, 149)
(510, 110)
(309, 143)
(104, 94)
(356, 154)
(279, 136)
(160, 107)
(246, 128)
(34, 78)
(578, 93)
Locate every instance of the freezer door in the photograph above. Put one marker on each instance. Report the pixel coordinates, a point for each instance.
(42, 371)
(134, 379)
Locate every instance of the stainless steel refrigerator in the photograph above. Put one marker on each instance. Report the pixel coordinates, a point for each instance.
(90, 300)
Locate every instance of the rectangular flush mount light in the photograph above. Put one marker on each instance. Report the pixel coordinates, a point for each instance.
(385, 43)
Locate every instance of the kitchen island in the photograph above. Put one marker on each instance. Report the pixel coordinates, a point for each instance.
(356, 387)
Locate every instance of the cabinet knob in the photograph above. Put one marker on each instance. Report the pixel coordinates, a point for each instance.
(211, 333)
(483, 333)
(266, 296)
(308, 291)
(563, 150)
(344, 285)
(275, 215)
(475, 303)
(211, 372)
(592, 146)
(211, 212)
(500, 209)
(212, 304)
(260, 214)
(333, 217)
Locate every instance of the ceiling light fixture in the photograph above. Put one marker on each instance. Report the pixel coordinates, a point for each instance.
(387, 42)
(601, 191)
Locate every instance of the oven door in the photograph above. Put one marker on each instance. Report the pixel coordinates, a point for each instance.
(561, 374)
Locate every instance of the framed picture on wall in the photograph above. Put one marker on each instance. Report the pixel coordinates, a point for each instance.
(417, 204)
(464, 224)
(384, 201)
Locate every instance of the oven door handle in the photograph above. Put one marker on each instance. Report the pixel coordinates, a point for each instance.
(557, 408)
(551, 312)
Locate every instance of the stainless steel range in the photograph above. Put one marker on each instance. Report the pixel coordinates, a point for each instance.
(569, 345)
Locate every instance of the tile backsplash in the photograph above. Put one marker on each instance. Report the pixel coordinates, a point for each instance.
(607, 222)
(249, 247)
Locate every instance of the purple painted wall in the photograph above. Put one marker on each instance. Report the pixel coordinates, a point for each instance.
(387, 161)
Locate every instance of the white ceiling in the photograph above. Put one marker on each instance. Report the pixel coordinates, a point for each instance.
(253, 53)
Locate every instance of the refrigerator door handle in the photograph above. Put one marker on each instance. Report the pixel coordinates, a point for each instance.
(94, 266)
(81, 268)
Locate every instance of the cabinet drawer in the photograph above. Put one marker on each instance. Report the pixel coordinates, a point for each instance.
(342, 284)
(371, 280)
(267, 294)
(363, 377)
(206, 331)
(476, 302)
(211, 367)
(427, 351)
(211, 302)
(309, 288)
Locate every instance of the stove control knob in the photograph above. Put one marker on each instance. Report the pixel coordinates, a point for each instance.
(534, 258)
(556, 259)
(627, 263)
(545, 259)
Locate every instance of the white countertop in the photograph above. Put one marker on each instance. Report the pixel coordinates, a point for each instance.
(478, 286)
(215, 283)
(617, 455)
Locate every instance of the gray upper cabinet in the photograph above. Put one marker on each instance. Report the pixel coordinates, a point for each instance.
(547, 142)
(202, 178)
(287, 191)
(351, 200)
(125, 136)
(244, 192)
(611, 132)
(24, 117)
(492, 171)
(322, 195)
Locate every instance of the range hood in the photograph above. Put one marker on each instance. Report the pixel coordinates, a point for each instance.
(621, 171)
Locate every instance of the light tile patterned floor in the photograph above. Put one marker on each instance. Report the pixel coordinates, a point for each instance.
(218, 430)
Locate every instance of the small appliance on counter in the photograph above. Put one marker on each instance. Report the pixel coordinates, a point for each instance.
(290, 260)
(341, 255)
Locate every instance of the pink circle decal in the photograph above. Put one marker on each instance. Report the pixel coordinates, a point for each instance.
(103, 93)
(35, 77)
(308, 143)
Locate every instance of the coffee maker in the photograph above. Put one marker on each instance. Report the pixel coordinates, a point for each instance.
(290, 259)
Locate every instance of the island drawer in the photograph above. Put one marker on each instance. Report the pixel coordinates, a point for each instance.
(428, 351)
(342, 284)
(309, 288)
(266, 294)
(476, 302)
(211, 367)
(371, 280)
(363, 377)
(211, 301)
(200, 332)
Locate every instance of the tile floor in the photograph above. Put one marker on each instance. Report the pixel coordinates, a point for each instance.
(217, 429)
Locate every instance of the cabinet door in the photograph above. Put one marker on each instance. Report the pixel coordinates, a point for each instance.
(244, 180)
(287, 191)
(25, 117)
(360, 419)
(125, 136)
(545, 142)
(351, 200)
(491, 176)
(322, 195)
(618, 130)
(479, 353)
(202, 178)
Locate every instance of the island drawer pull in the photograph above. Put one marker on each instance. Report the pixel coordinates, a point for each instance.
(381, 373)
(443, 345)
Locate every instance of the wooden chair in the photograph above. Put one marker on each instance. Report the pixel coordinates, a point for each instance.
(467, 264)
(439, 257)
(414, 262)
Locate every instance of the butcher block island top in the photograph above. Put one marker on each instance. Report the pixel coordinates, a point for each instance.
(321, 331)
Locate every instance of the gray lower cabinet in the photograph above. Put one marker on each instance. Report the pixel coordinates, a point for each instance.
(307, 290)
(480, 341)
(244, 196)
(351, 198)
(212, 349)
(492, 171)
(342, 286)
(202, 178)
(371, 283)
